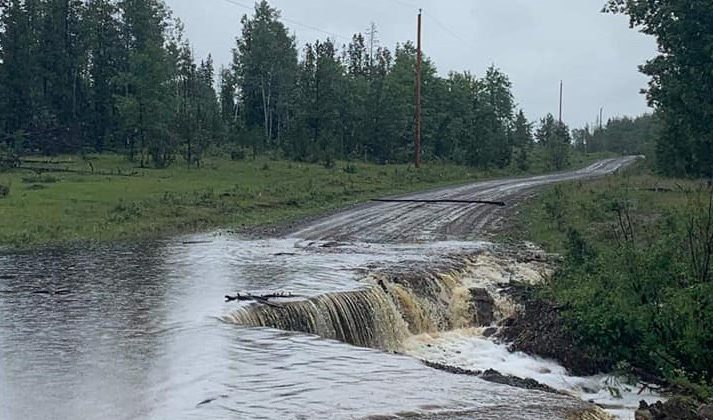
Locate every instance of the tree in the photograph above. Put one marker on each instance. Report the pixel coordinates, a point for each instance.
(265, 66)
(320, 103)
(681, 86)
(554, 137)
(522, 140)
(61, 58)
(145, 103)
(106, 61)
(18, 69)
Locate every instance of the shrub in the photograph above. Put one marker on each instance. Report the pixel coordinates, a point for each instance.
(238, 154)
(4, 191)
(40, 179)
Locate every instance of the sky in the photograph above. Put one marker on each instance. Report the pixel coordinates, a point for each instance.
(536, 43)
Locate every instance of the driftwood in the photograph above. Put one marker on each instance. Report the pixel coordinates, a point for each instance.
(261, 299)
(493, 203)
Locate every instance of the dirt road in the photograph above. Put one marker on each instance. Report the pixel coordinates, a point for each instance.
(418, 222)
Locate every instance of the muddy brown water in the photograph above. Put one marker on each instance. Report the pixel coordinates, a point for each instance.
(134, 331)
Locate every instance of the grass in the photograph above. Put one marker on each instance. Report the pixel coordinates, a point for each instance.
(586, 206)
(112, 199)
(632, 290)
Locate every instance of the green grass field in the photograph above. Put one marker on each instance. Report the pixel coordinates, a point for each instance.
(112, 199)
(126, 202)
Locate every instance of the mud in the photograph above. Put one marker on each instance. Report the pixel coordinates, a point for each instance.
(538, 329)
(420, 222)
(677, 408)
(494, 376)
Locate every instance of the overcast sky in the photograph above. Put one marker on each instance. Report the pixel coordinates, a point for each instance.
(536, 42)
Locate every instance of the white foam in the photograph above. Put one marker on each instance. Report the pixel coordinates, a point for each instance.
(468, 349)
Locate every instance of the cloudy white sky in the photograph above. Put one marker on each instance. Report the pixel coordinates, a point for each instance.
(536, 42)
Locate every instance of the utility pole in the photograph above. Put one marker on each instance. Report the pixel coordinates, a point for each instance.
(561, 91)
(419, 58)
(601, 118)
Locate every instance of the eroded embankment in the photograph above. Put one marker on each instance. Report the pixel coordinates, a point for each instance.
(394, 305)
(446, 313)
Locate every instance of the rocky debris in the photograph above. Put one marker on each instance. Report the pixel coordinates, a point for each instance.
(539, 330)
(489, 332)
(677, 408)
(491, 375)
(483, 306)
(494, 376)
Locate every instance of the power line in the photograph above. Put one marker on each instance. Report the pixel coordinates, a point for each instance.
(444, 27)
(433, 18)
(294, 22)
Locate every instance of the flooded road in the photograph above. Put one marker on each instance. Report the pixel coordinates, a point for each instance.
(139, 331)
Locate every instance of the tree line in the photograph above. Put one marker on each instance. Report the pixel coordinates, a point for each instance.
(119, 75)
(620, 135)
(681, 85)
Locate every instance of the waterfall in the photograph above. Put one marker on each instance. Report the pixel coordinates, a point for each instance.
(392, 306)
(365, 318)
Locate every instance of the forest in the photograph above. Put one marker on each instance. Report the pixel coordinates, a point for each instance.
(120, 76)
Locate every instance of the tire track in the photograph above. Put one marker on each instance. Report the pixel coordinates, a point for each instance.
(412, 222)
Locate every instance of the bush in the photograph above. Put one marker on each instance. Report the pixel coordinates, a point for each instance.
(40, 179)
(238, 154)
(350, 169)
(643, 300)
(4, 191)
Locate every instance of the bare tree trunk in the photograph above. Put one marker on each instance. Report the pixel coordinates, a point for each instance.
(265, 109)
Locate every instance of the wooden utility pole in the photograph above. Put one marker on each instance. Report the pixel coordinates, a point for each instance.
(419, 58)
(561, 91)
(601, 118)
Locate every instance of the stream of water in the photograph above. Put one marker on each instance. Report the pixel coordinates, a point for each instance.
(135, 331)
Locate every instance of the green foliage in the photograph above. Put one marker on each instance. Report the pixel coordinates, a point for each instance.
(625, 136)
(681, 86)
(637, 274)
(119, 75)
(555, 138)
(109, 205)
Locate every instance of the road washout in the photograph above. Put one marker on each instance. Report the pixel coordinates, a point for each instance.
(448, 311)
(434, 311)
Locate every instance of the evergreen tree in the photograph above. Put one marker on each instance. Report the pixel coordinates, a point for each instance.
(555, 138)
(106, 61)
(522, 141)
(145, 102)
(265, 66)
(61, 61)
(681, 86)
(18, 70)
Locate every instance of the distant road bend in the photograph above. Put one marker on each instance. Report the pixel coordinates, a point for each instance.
(417, 222)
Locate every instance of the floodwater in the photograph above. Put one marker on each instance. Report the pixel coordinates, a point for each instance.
(141, 331)
(135, 332)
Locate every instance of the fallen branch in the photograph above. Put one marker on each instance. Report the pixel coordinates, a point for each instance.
(493, 203)
(261, 299)
(41, 170)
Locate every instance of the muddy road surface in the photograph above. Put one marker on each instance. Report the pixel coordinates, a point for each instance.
(418, 222)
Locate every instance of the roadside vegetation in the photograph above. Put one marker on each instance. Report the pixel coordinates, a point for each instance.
(636, 282)
(105, 197)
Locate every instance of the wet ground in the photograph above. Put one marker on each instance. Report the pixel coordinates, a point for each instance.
(138, 331)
